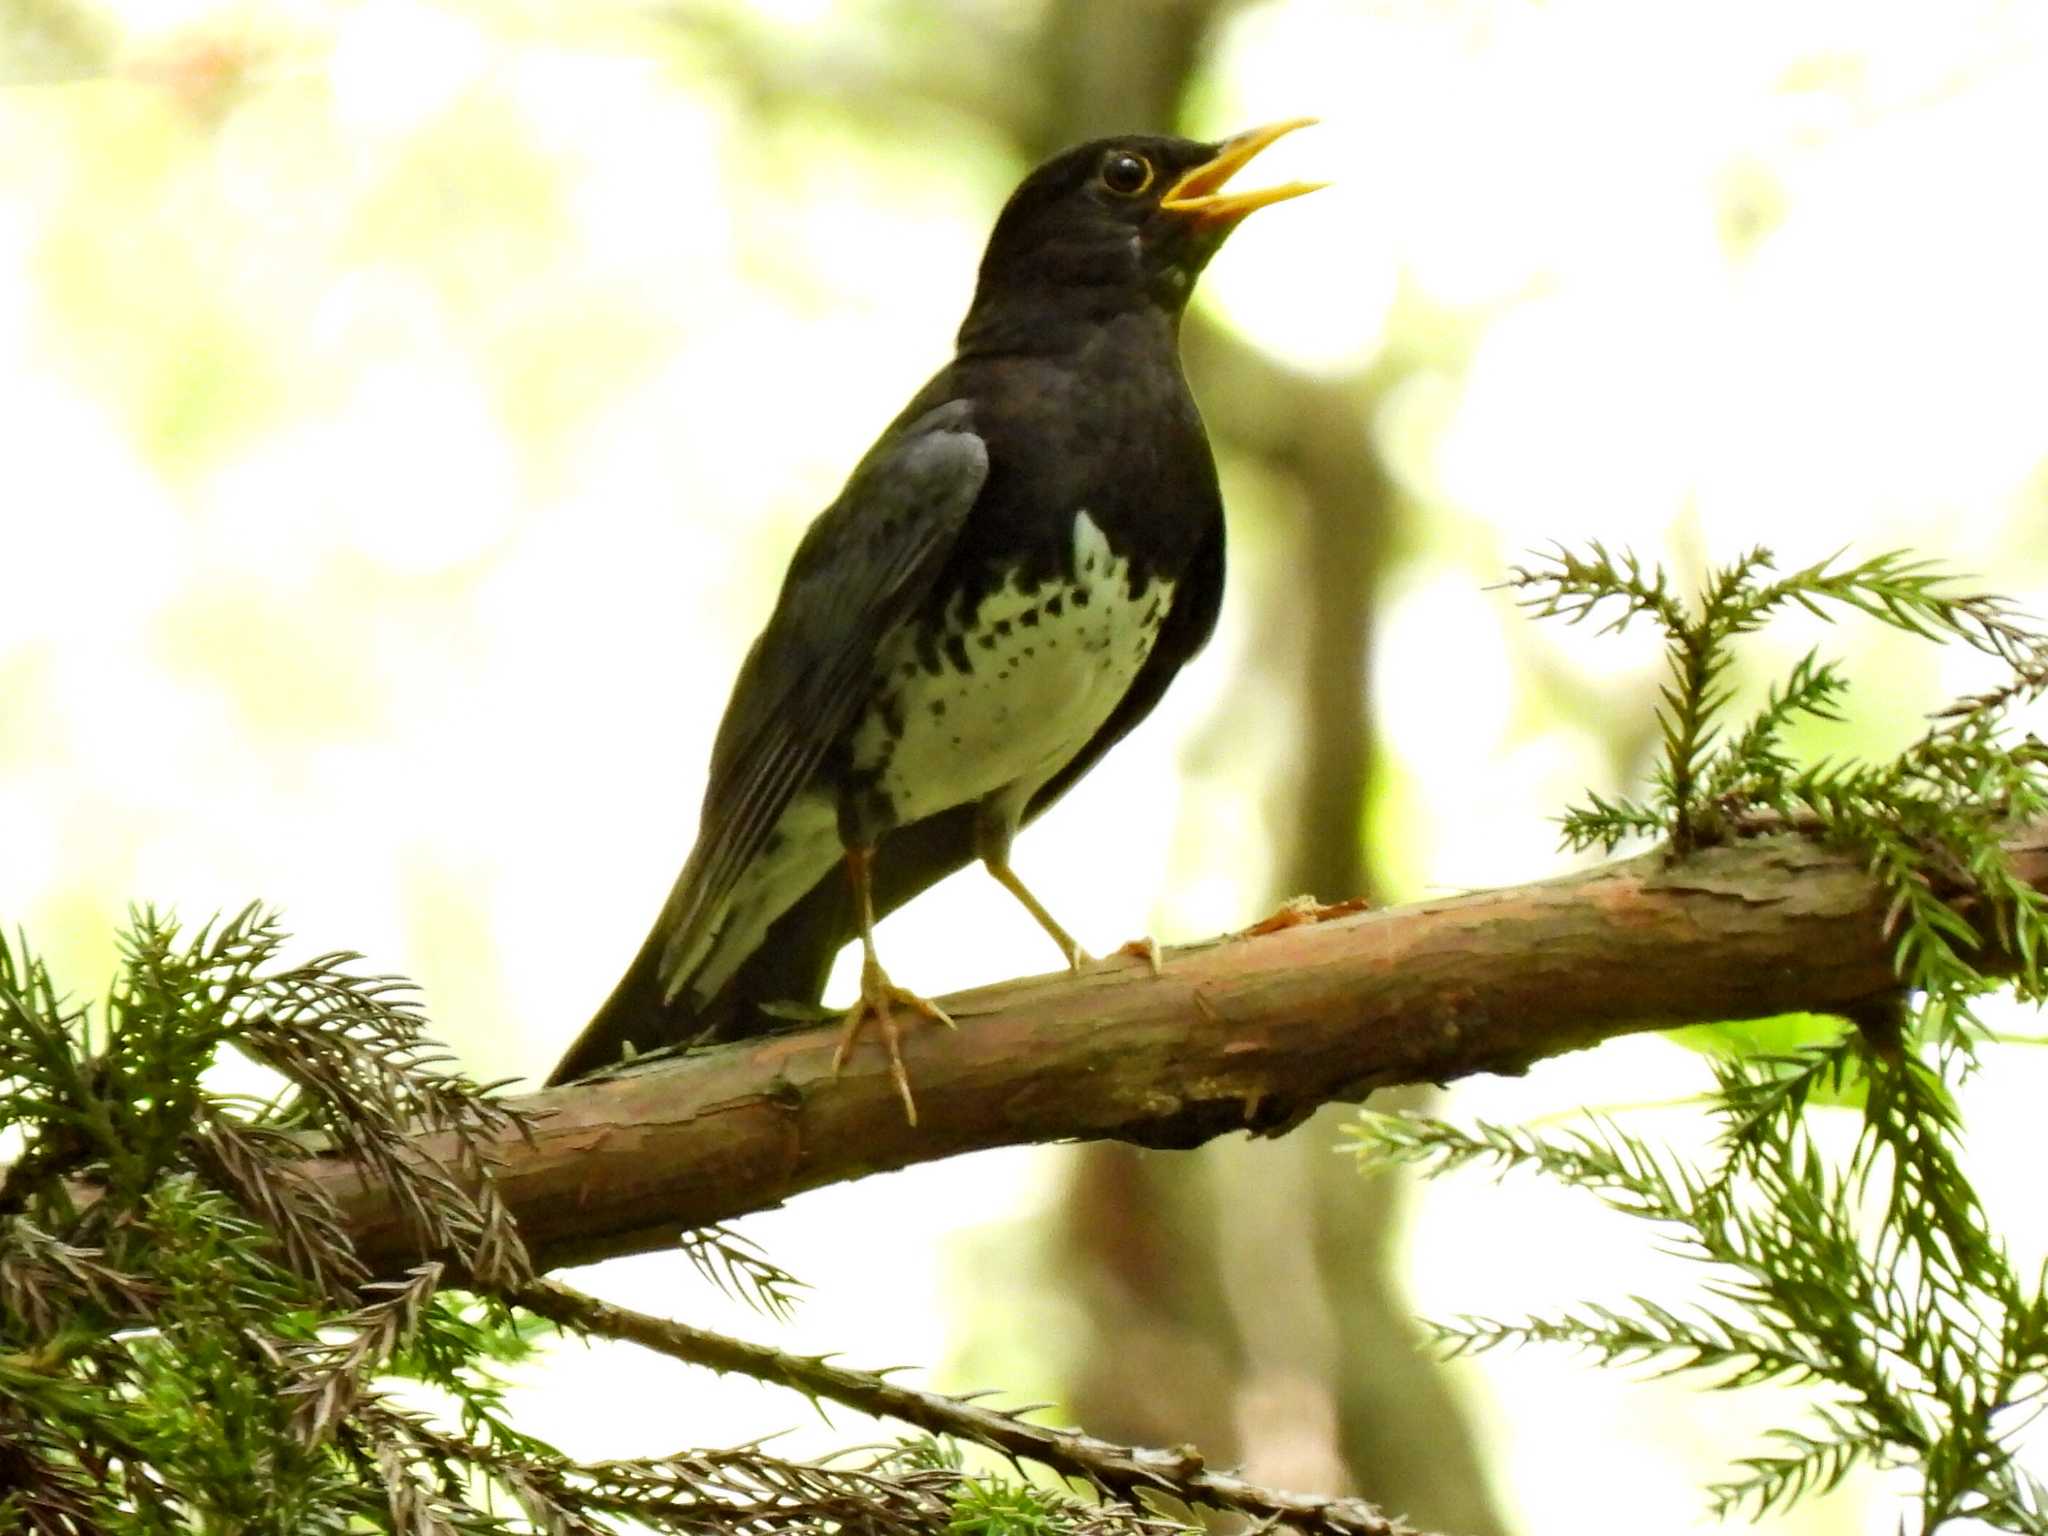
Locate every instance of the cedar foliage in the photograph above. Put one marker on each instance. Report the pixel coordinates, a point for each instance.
(188, 1342)
(1875, 1278)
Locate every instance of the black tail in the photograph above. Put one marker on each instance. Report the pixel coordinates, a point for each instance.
(636, 1017)
(791, 965)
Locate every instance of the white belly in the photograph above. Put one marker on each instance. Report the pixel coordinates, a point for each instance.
(1044, 670)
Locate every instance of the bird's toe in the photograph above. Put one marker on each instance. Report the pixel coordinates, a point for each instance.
(1146, 949)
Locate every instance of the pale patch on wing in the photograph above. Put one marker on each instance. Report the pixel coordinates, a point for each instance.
(802, 848)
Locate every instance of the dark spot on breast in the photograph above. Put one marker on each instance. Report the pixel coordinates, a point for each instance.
(938, 709)
(1055, 606)
(1081, 596)
(1028, 618)
(987, 642)
(1002, 626)
(1152, 613)
(956, 652)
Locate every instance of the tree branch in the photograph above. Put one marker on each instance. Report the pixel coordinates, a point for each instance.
(1127, 1472)
(1237, 1034)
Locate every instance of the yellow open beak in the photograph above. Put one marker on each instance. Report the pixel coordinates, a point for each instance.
(1199, 194)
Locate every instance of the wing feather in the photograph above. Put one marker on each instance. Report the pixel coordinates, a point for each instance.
(863, 568)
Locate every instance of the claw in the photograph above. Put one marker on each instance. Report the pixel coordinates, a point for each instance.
(1147, 950)
(879, 998)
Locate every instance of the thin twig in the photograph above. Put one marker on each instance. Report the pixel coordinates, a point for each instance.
(1122, 1471)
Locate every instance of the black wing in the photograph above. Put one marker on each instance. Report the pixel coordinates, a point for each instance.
(863, 567)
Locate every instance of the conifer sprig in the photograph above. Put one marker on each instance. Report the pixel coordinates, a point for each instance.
(189, 1342)
(1874, 1278)
(1712, 769)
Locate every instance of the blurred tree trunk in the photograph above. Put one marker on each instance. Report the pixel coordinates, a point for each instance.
(1248, 1293)
(1245, 1296)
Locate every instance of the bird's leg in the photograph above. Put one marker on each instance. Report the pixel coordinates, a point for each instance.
(992, 833)
(1076, 955)
(878, 994)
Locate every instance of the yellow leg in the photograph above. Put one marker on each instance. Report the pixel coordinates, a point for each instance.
(1007, 877)
(879, 996)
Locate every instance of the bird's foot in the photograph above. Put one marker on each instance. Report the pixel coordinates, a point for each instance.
(879, 999)
(1147, 950)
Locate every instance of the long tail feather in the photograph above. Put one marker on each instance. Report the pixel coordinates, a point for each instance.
(791, 964)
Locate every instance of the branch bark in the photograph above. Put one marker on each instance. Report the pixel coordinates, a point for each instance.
(1237, 1034)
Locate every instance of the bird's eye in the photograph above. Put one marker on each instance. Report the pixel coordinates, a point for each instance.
(1126, 174)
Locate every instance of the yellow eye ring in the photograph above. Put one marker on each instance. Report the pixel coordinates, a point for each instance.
(1125, 173)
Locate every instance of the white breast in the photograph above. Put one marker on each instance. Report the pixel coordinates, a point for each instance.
(1045, 667)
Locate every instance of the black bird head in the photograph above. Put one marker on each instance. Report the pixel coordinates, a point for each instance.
(1113, 226)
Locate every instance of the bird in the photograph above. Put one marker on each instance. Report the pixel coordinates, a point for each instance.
(1009, 580)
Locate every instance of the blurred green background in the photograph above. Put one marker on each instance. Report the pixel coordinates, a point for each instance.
(406, 410)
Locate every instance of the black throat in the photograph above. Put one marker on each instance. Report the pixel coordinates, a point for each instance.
(1067, 295)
